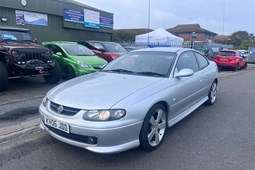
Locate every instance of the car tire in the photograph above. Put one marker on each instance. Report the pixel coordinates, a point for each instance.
(212, 96)
(236, 67)
(54, 76)
(245, 65)
(3, 77)
(154, 128)
(70, 73)
(219, 68)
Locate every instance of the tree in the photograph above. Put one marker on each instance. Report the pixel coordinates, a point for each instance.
(238, 37)
(245, 44)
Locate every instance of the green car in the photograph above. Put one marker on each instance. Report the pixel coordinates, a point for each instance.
(74, 59)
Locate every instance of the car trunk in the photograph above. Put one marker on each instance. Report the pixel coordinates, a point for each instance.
(225, 56)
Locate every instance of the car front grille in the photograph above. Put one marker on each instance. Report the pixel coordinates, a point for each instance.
(32, 56)
(68, 111)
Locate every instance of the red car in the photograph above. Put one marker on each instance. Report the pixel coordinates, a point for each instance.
(106, 50)
(231, 58)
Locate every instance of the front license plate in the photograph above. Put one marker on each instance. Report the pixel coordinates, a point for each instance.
(56, 124)
(223, 59)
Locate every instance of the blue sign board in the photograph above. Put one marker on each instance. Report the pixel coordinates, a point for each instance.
(106, 22)
(73, 16)
(91, 25)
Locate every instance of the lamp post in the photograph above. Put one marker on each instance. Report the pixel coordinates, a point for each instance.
(149, 13)
(193, 35)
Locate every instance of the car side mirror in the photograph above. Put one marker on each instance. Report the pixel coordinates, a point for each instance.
(186, 72)
(59, 54)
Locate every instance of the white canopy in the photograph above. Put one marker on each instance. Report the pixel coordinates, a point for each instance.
(159, 37)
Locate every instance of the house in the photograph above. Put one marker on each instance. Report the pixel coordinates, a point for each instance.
(192, 32)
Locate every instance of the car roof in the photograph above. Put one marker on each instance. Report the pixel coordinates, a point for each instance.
(228, 50)
(100, 41)
(164, 49)
(59, 42)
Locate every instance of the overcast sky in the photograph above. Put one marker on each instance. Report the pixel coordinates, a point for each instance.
(219, 16)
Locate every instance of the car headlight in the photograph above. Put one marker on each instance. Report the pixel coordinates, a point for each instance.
(45, 101)
(83, 65)
(15, 54)
(104, 115)
(47, 53)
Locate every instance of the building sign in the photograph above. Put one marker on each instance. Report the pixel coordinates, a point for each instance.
(73, 16)
(91, 19)
(106, 22)
(32, 18)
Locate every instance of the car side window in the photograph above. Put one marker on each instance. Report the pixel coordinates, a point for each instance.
(99, 46)
(202, 61)
(187, 60)
(55, 49)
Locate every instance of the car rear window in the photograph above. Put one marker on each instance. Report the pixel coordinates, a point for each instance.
(227, 53)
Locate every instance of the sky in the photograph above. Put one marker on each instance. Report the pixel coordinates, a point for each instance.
(222, 17)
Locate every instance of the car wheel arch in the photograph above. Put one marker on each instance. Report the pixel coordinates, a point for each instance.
(145, 142)
(163, 103)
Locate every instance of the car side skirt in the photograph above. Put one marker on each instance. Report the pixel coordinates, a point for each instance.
(186, 113)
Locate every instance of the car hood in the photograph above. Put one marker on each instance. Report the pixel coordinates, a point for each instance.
(20, 45)
(98, 90)
(91, 60)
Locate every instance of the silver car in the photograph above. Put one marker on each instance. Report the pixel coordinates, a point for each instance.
(132, 101)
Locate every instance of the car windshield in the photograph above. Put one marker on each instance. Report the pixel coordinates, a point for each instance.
(227, 53)
(113, 47)
(10, 35)
(77, 50)
(142, 63)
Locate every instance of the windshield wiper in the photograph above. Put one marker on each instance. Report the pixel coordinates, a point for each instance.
(27, 41)
(120, 71)
(152, 74)
(6, 40)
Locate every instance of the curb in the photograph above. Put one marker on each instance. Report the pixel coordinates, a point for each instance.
(19, 128)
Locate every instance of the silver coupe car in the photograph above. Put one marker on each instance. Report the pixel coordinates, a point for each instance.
(132, 101)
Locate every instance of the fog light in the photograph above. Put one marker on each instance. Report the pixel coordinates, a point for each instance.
(92, 140)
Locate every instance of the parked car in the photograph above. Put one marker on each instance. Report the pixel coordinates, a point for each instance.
(231, 58)
(74, 59)
(21, 56)
(244, 52)
(107, 50)
(131, 48)
(131, 101)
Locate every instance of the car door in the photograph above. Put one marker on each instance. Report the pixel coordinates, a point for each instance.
(187, 90)
(60, 59)
(204, 74)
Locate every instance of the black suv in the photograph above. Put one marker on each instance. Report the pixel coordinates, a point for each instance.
(21, 56)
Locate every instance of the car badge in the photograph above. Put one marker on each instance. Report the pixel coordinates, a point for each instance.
(60, 109)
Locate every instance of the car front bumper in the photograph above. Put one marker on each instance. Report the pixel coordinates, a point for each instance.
(110, 139)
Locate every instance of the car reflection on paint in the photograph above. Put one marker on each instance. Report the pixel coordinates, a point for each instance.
(132, 101)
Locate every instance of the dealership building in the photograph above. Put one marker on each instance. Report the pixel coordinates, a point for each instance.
(57, 20)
